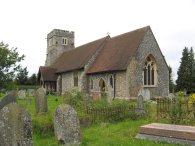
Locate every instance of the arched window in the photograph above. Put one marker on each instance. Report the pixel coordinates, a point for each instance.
(75, 79)
(111, 81)
(149, 72)
(64, 41)
(91, 84)
(102, 85)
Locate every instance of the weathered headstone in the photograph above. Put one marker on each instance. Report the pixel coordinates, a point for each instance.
(22, 94)
(31, 92)
(171, 96)
(28, 101)
(140, 102)
(66, 125)
(10, 98)
(15, 126)
(41, 100)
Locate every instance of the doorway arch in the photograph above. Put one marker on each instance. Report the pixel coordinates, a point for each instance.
(102, 85)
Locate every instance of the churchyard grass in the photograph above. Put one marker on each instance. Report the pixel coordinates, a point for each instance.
(118, 133)
(42, 122)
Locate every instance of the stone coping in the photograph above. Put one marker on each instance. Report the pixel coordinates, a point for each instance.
(166, 139)
(170, 131)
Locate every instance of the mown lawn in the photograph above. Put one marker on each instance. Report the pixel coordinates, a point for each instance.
(101, 134)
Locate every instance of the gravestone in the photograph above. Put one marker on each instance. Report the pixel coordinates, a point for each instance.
(14, 92)
(145, 93)
(171, 96)
(41, 100)
(28, 101)
(15, 126)
(22, 94)
(31, 92)
(10, 98)
(140, 102)
(66, 125)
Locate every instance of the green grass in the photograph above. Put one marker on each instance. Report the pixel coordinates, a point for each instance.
(101, 134)
(117, 134)
(42, 122)
(44, 140)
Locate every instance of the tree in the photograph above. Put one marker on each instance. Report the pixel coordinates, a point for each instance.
(171, 84)
(22, 76)
(186, 71)
(193, 79)
(191, 71)
(32, 80)
(9, 59)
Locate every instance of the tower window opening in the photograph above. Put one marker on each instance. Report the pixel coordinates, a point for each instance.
(64, 41)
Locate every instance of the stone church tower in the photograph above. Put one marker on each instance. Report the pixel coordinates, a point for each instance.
(58, 41)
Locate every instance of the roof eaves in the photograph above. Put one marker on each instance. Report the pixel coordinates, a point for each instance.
(66, 71)
(106, 71)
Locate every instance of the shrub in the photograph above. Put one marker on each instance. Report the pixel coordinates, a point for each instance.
(180, 96)
(191, 102)
(77, 100)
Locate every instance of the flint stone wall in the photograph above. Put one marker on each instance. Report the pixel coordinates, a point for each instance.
(135, 68)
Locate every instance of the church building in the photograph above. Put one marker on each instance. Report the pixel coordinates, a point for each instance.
(124, 66)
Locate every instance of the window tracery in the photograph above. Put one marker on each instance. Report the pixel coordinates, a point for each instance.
(149, 72)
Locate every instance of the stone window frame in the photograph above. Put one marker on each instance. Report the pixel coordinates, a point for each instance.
(64, 41)
(91, 84)
(111, 81)
(150, 71)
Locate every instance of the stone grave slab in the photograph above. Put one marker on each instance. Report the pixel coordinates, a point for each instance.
(168, 132)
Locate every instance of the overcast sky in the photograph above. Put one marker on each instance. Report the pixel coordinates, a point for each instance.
(25, 24)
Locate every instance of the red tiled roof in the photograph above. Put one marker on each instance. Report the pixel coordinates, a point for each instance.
(118, 51)
(115, 55)
(77, 58)
(47, 73)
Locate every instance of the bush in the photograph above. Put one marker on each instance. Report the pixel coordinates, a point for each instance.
(77, 100)
(179, 111)
(180, 96)
(191, 102)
